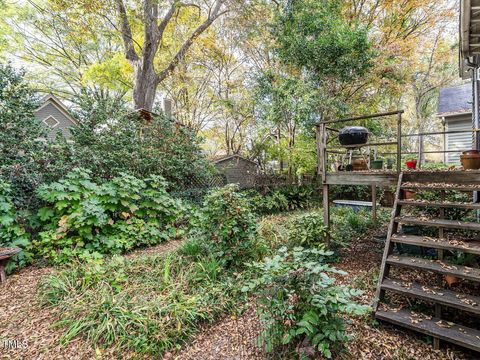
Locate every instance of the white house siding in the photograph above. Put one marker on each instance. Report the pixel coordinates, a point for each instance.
(460, 141)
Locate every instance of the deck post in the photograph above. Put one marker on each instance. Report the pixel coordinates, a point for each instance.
(318, 137)
(374, 203)
(321, 136)
(326, 213)
(399, 143)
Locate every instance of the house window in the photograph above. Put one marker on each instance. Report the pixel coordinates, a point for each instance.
(51, 122)
(460, 141)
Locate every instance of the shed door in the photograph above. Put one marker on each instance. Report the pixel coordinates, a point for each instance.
(460, 141)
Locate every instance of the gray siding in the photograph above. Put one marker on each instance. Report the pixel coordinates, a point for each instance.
(64, 123)
(238, 171)
(461, 141)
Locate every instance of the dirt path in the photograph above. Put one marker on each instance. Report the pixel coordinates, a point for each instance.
(26, 328)
(23, 320)
(232, 338)
(235, 340)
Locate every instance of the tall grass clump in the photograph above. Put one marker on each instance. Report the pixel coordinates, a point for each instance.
(146, 304)
(151, 304)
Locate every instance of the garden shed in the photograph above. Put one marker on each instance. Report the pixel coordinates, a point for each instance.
(55, 116)
(237, 169)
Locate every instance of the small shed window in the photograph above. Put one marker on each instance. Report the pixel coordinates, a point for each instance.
(51, 122)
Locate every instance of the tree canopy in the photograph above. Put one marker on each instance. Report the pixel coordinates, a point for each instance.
(249, 77)
(314, 34)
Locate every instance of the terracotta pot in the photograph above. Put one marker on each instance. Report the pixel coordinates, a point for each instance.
(409, 194)
(470, 161)
(470, 152)
(411, 164)
(359, 164)
(451, 280)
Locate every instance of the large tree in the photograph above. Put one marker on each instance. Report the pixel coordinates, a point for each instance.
(314, 37)
(155, 19)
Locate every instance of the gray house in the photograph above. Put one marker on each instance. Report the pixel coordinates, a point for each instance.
(55, 116)
(237, 169)
(455, 110)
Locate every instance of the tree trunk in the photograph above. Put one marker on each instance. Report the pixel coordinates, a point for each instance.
(146, 83)
(146, 78)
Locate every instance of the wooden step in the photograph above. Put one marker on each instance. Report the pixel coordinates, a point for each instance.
(442, 223)
(449, 177)
(438, 204)
(440, 186)
(437, 295)
(437, 266)
(472, 247)
(453, 333)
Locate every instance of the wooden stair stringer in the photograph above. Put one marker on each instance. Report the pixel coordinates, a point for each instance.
(431, 294)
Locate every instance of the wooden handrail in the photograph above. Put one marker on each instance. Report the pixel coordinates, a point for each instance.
(442, 133)
(363, 117)
(364, 145)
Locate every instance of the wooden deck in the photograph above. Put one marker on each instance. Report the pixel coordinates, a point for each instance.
(379, 178)
(389, 178)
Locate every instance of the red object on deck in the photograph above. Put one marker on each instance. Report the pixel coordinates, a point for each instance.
(411, 164)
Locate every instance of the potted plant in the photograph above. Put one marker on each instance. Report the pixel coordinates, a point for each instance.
(376, 164)
(411, 164)
(390, 163)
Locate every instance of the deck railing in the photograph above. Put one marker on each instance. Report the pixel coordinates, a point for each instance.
(324, 134)
(323, 130)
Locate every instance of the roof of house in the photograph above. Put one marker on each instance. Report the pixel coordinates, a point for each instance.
(50, 98)
(455, 100)
(468, 34)
(220, 158)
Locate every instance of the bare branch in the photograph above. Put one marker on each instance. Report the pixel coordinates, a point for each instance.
(166, 19)
(180, 55)
(126, 32)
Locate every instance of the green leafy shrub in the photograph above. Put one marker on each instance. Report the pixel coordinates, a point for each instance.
(130, 145)
(23, 156)
(85, 218)
(289, 197)
(229, 225)
(300, 197)
(144, 305)
(350, 192)
(307, 230)
(272, 231)
(12, 233)
(349, 224)
(298, 301)
(270, 203)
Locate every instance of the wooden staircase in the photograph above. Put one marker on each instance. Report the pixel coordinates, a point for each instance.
(439, 296)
